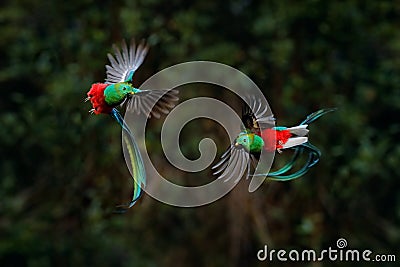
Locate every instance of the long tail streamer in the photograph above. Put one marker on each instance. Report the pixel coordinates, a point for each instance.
(313, 152)
(314, 155)
(135, 160)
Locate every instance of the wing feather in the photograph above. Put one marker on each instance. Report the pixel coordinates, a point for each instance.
(255, 115)
(230, 169)
(153, 102)
(125, 61)
(232, 160)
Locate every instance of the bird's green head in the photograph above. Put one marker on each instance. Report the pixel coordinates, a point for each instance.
(243, 140)
(250, 142)
(114, 94)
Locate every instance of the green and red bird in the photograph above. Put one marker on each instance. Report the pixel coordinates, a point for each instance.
(260, 134)
(118, 90)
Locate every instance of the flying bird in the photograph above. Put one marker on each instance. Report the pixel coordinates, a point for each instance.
(118, 90)
(258, 134)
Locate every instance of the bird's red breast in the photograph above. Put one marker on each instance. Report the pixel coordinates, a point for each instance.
(96, 97)
(275, 139)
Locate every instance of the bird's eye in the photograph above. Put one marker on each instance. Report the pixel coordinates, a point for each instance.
(244, 140)
(124, 89)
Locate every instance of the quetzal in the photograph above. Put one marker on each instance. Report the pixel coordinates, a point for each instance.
(118, 90)
(252, 140)
(118, 87)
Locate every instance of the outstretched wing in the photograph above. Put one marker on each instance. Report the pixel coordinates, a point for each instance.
(125, 62)
(153, 102)
(135, 161)
(236, 159)
(254, 116)
(233, 163)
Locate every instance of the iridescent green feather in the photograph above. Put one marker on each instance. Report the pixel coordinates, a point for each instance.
(316, 115)
(314, 155)
(135, 160)
(115, 94)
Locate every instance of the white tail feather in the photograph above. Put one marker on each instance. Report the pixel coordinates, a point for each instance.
(295, 141)
(300, 130)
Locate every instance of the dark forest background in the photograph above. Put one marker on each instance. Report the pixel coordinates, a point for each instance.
(62, 170)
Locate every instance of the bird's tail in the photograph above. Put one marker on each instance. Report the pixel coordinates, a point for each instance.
(301, 129)
(316, 115)
(312, 152)
(313, 156)
(135, 161)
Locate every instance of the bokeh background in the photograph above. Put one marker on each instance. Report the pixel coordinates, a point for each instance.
(62, 170)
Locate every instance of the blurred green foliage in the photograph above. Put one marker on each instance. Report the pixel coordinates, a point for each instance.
(61, 170)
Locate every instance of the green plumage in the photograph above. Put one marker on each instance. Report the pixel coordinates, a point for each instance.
(256, 144)
(115, 94)
(251, 142)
